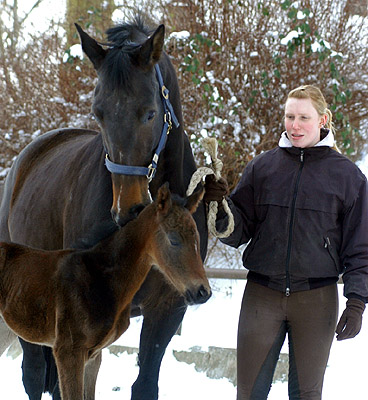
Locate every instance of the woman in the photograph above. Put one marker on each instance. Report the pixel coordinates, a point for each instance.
(303, 209)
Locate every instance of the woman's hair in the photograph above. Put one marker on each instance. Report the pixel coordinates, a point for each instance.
(319, 103)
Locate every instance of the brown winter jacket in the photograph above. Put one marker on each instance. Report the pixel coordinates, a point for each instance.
(304, 213)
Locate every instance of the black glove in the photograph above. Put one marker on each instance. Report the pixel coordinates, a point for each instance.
(215, 190)
(351, 320)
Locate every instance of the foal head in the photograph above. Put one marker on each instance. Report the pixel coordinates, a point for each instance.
(128, 106)
(175, 245)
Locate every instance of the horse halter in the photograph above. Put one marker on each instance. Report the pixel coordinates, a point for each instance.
(169, 118)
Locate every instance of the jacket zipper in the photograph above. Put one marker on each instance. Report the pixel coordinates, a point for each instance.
(291, 224)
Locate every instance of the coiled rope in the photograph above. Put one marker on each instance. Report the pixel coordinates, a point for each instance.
(210, 145)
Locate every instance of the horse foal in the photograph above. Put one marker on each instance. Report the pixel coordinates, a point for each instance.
(78, 301)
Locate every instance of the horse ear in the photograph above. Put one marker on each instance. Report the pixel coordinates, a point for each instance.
(194, 199)
(93, 50)
(163, 199)
(151, 50)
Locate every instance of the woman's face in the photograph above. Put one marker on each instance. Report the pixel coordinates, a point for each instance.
(302, 122)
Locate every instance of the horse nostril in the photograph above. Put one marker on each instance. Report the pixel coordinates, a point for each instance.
(121, 220)
(133, 213)
(136, 210)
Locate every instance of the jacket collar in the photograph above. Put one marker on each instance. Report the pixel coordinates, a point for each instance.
(328, 140)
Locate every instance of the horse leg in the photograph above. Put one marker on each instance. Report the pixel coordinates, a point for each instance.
(34, 370)
(159, 326)
(70, 365)
(90, 376)
(51, 379)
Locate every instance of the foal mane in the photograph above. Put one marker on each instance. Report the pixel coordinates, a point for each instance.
(123, 41)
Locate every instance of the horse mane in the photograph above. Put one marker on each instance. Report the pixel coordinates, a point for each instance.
(123, 40)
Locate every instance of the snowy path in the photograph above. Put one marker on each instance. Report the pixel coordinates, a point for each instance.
(211, 324)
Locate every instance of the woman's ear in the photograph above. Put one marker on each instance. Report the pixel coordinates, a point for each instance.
(323, 120)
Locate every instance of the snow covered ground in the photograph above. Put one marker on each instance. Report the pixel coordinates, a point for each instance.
(211, 324)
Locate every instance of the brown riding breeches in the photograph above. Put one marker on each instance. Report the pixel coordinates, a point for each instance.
(308, 317)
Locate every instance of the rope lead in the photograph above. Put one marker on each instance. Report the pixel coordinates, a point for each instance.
(210, 145)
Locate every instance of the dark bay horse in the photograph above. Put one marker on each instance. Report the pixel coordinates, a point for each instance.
(78, 301)
(59, 192)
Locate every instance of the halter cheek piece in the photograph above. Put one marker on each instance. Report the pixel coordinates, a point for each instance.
(169, 119)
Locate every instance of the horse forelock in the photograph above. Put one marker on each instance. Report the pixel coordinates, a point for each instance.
(126, 33)
(123, 40)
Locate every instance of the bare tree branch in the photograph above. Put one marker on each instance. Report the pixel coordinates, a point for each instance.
(35, 5)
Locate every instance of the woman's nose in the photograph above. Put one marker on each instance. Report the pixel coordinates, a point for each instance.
(295, 124)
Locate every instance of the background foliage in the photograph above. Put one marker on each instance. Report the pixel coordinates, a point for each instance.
(239, 62)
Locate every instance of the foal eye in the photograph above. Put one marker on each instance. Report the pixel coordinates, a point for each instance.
(174, 239)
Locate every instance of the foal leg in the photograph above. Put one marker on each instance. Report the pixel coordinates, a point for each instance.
(90, 376)
(34, 370)
(159, 326)
(70, 364)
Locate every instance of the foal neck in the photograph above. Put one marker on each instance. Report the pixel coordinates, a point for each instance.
(133, 242)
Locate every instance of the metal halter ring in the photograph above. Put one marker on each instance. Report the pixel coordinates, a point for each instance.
(164, 92)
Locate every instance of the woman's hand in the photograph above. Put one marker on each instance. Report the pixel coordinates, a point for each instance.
(215, 190)
(351, 320)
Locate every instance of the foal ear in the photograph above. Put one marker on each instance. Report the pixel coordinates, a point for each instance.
(194, 199)
(163, 199)
(151, 50)
(93, 50)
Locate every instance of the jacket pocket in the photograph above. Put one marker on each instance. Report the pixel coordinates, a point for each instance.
(332, 253)
(248, 250)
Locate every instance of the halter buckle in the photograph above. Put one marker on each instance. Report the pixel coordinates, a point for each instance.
(165, 92)
(167, 119)
(151, 172)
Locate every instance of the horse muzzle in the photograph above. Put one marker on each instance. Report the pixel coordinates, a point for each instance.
(130, 196)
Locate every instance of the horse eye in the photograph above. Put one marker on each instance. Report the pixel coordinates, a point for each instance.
(150, 115)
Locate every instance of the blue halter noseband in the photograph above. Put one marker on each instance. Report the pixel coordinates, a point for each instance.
(169, 118)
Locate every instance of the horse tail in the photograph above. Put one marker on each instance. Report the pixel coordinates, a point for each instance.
(51, 378)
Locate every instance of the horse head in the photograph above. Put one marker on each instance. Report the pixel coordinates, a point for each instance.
(128, 106)
(176, 248)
